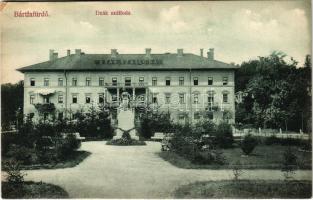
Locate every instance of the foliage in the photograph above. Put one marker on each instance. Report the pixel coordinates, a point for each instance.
(237, 170)
(195, 143)
(11, 101)
(289, 163)
(45, 108)
(22, 154)
(224, 135)
(154, 121)
(94, 123)
(248, 144)
(15, 176)
(33, 190)
(276, 93)
(245, 189)
(68, 146)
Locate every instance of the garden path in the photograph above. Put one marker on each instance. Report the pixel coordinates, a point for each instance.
(134, 172)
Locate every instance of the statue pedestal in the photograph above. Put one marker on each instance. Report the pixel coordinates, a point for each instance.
(126, 122)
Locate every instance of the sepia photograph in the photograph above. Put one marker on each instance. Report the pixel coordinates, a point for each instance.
(156, 100)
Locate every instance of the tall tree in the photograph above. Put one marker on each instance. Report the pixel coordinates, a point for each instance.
(11, 101)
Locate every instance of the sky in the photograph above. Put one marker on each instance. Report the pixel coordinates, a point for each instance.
(237, 30)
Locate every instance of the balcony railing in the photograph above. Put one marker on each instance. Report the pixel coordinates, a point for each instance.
(140, 84)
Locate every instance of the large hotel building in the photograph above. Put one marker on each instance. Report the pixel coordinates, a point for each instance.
(183, 84)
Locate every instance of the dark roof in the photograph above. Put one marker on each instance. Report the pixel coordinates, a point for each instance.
(94, 62)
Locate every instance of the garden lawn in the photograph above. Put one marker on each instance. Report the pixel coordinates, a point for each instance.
(246, 189)
(71, 161)
(263, 157)
(33, 190)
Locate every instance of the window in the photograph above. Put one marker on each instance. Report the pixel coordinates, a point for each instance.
(225, 80)
(60, 115)
(225, 98)
(101, 98)
(101, 81)
(60, 82)
(74, 98)
(181, 98)
(196, 115)
(141, 81)
(196, 98)
(210, 100)
(46, 100)
(88, 81)
(60, 99)
(88, 98)
(114, 98)
(46, 82)
(127, 81)
(114, 81)
(195, 80)
(181, 117)
(210, 80)
(168, 81)
(167, 98)
(32, 99)
(32, 82)
(154, 98)
(181, 80)
(74, 82)
(154, 81)
(97, 62)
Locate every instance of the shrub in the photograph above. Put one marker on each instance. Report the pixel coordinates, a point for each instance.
(21, 154)
(15, 179)
(67, 146)
(224, 136)
(248, 144)
(12, 167)
(289, 163)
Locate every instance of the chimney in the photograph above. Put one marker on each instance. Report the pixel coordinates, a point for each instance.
(55, 56)
(51, 51)
(68, 52)
(201, 52)
(148, 52)
(180, 52)
(211, 54)
(114, 53)
(78, 51)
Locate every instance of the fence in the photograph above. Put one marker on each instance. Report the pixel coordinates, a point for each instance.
(237, 133)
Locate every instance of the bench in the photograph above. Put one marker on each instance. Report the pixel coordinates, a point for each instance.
(158, 136)
(77, 135)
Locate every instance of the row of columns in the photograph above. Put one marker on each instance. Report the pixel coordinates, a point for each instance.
(133, 93)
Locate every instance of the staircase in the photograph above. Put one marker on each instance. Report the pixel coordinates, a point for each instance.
(125, 118)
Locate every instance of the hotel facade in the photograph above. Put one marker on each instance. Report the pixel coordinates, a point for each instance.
(182, 84)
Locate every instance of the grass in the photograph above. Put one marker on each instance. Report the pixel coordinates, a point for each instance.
(245, 189)
(263, 157)
(71, 161)
(31, 190)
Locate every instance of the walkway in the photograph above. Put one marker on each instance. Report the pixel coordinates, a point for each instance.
(134, 172)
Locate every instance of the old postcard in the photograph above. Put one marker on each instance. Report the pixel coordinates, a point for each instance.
(193, 99)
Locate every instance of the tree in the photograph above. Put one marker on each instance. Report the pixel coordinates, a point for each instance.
(277, 93)
(11, 101)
